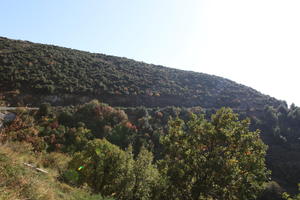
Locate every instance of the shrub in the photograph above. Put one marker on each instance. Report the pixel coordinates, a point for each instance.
(105, 168)
(71, 177)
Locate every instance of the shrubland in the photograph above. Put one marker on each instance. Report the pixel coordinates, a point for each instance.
(142, 99)
(215, 157)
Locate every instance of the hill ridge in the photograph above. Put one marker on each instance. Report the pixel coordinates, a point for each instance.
(52, 70)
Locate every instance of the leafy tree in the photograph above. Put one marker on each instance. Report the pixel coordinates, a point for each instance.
(44, 109)
(122, 135)
(216, 159)
(66, 118)
(113, 172)
(105, 168)
(76, 139)
(148, 183)
(97, 115)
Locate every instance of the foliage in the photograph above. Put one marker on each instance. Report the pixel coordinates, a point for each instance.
(44, 109)
(96, 116)
(280, 127)
(71, 177)
(49, 70)
(32, 73)
(216, 159)
(148, 182)
(113, 172)
(23, 128)
(105, 168)
(272, 191)
(101, 121)
(20, 182)
(68, 129)
(289, 197)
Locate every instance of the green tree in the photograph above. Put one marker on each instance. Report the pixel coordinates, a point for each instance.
(105, 168)
(113, 172)
(122, 135)
(216, 159)
(148, 182)
(75, 139)
(44, 109)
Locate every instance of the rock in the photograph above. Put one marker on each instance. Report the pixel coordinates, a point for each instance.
(6, 117)
(9, 117)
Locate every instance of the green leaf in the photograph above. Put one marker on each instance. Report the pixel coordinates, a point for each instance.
(98, 151)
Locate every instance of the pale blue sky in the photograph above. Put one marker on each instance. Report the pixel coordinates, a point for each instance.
(142, 29)
(255, 42)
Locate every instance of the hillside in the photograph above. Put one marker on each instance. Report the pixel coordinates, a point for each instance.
(148, 95)
(95, 148)
(19, 181)
(59, 74)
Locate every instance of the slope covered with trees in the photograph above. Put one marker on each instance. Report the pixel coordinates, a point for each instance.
(37, 69)
(146, 97)
(225, 162)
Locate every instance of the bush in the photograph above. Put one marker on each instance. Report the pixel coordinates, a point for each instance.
(45, 109)
(71, 177)
(113, 172)
(105, 168)
(272, 191)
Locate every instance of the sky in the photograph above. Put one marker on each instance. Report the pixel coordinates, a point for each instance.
(252, 42)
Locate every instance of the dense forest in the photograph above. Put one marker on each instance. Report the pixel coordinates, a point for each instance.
(142, 145)
(49, 70)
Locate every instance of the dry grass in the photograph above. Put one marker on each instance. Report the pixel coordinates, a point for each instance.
(19, 182)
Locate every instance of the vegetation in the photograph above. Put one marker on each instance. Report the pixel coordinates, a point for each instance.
(113, 172)
(146, 96)
(216, 159)
(289, 197)
(202, 159)
(283, 126)
(20, 182)
(37, 70)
